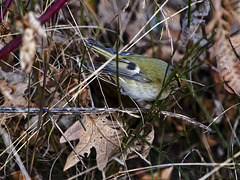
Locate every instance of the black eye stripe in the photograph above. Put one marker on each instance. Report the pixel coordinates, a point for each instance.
(131, 66)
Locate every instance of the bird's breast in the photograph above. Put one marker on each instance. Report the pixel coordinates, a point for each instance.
(141, 91)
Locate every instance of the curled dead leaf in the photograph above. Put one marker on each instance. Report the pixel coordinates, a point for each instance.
(229, 65)
(13, 94)
(27, 51)
(139, 148)
(13, 86)
(227, 61)
(28, 26)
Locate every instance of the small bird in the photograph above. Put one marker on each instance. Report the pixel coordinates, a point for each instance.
(140, 77)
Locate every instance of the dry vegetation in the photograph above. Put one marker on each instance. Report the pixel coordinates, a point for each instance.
(60, 119)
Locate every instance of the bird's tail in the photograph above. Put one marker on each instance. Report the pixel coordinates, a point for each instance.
(107, 52)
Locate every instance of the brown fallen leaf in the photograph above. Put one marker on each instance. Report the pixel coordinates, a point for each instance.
(101, 133)
(13, 94)
(13, 86)
(106, 137)
(18, 175)
(227, 61)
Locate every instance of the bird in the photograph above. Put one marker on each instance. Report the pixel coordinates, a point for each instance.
(140, 77)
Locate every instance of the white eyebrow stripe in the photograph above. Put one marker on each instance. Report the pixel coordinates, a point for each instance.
(137, 69)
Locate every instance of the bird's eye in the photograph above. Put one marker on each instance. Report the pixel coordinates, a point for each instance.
(131, 66)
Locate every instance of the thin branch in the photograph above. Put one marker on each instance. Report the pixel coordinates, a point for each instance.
(72, 110)
(51, 11)
(17, 110)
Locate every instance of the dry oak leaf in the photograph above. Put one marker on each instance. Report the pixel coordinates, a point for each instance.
(101, 133)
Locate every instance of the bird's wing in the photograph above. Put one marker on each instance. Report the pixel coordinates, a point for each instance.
(126, 69)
